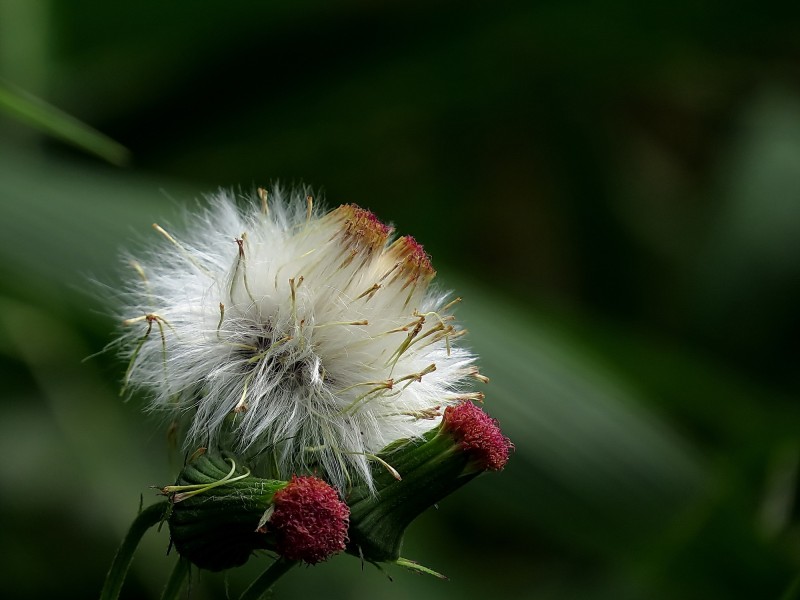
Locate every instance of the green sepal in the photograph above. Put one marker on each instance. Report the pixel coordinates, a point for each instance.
(217, 510)
(431, 468)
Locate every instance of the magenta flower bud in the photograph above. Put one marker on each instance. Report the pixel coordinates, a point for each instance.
(310, 520)
(478, 435)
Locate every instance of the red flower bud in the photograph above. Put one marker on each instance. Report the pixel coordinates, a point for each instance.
(478, 434)
(310, 520)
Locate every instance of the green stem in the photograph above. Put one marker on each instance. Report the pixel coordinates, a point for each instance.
(176, 579)
(267, 579)
(122, 560)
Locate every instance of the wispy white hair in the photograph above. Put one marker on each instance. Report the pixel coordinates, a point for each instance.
(309, 337)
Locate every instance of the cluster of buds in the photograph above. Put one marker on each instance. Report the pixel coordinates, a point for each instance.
(310, 347)
(220, 513)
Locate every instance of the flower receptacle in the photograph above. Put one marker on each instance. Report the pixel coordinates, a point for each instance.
(218, 518)
(213, 524)
(464, 445)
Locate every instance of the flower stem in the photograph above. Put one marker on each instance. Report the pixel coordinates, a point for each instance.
(176, 579)
(124, 556)
(267, 579)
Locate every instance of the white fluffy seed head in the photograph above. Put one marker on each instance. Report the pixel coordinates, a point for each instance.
(311, 338)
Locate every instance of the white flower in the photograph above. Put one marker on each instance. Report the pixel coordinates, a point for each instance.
(311, 338)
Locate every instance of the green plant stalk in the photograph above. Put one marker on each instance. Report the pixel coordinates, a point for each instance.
(430, 470)
(176, 579)
(267, 579)
(150, 516)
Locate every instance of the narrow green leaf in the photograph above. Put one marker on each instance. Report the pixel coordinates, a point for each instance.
(37, 113)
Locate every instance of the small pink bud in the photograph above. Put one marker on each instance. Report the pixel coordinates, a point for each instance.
(310, 520)
(361, 230)
(413, 262)
(478, 434)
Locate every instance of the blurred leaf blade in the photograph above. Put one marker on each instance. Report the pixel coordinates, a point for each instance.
(52, 121)
(596, 452)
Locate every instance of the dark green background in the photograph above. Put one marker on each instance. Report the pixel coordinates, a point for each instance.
(613, 187)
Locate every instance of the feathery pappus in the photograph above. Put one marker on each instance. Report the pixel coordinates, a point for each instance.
(311, 337)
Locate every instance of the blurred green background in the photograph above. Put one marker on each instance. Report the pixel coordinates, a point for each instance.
(613, 187)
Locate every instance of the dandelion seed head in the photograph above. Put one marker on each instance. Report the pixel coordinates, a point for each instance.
(313, 337)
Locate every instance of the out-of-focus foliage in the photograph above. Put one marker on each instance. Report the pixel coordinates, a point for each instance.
(614, 188)
(52, 121)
